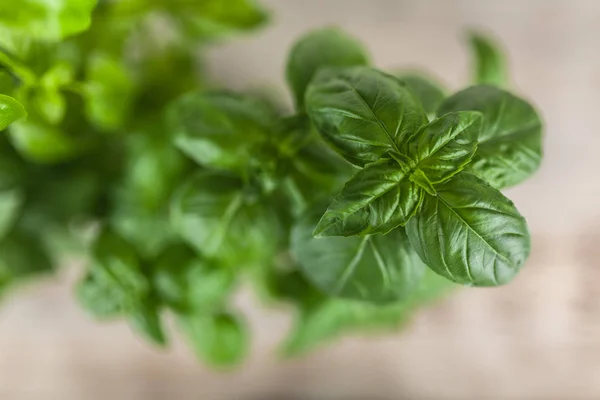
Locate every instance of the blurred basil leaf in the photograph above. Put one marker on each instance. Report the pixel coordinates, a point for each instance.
(116, 264)
(203, 18)
(427, 90)
(292, 134)
(375, 268)
(17, 70)
(47, 20)
(152, 168)
(108, 91)
(99, 298)
(10, 111)
(322, 319)
(22, 255)
(146, 319)
(42, 143)
(221, 340)
(149, 231)
(305, 163)
(11, 201)
(328, 47)
(117, 284)
(50, 104)
(214, 17)
(189, 284)
(489, 64)
(7, 82)
(220, 130)
(154, 72)
(213, 212)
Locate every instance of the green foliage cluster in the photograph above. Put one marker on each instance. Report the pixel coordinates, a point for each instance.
(368, 201)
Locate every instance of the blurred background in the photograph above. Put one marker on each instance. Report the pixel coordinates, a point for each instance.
(537, 338)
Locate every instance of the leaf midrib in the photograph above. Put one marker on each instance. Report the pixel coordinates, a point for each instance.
(377, 119)
(496, 252)
(226, 220)
(351, 267)
(520, 130)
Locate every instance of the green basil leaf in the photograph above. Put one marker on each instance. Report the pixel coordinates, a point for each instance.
(99, 298)
(116, 264)
(221, 340)
(428, 91)
(376, 268)
(19, 72)
(47, 20)
(42, 143)
(214, 215)
(50, 104)
(510, 143)
(108, 91)
(206, 18)
(11, 202)
(377, 199)
(8, 82)
(116, 285)
(145, 319)
(12, 167)
(149, 231)
(65, 193)
(316, 172)
(152, 167)
(10, 111)
(292, 134)
(445, 146)
(362, 113)
(151, 170)
(489, 64)
(470, 233)
(220, 130)
(59, 75)
(23, 255)
(154, 72)
(328, 47)
(188, 284)
(213, 17)
(322, 319)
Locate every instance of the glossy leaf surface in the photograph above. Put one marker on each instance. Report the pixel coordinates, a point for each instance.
(445, 146)
(377, 199)
(10, 111)
(362, 113)
(470, 233)
(510, 143)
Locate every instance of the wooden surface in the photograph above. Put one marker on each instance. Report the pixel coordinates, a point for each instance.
(538, 338)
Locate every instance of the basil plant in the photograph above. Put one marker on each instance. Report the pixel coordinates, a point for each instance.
(377, 194)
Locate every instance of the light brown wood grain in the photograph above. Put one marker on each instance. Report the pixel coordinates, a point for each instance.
(538, 338)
